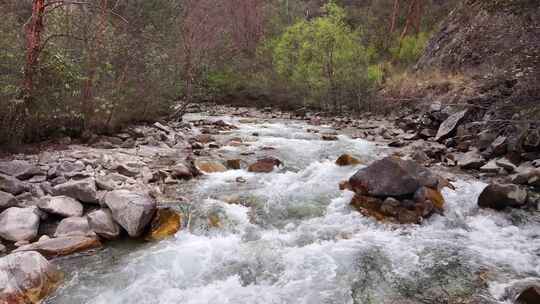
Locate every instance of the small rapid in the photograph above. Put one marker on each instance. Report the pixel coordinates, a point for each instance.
(290, 237)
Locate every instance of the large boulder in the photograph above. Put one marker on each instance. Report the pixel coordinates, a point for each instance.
(500, 196)
(12, 185)
(19, 168)
(61, 205)
(62, 246)
(166, 223)
(394, 177)
(132, 210)
(530, 295)
(82, 190)
(19, 224)
(102, 223)
(264, 165)
(450, 125)
(7, 200)
(27, 277)
(74, 226)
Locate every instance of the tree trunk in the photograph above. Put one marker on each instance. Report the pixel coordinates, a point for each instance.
(33, 44)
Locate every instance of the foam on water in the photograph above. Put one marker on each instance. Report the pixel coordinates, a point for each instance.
(306, 245)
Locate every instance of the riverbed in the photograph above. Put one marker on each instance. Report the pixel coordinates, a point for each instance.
(290, 236)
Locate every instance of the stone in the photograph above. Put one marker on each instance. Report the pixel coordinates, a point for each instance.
(234, 164)
(7, 200)
(344, 185)
(498, 146)
(162, 127)
(392, 176)
(82, 190)
(531, 295)
(19, 169)
(408, 217)
(532, 139)
(209, 166)
(500, 196)
(391, 207)
(62, 246)
(347, 160)
(264, 165)
(506, 164)
(491, 167)
(12, 185)
(19, 224)
(74, 226)
(368, 206)
(166, 223)
(534, 178)
(470, 160)
(485, 138)
(329, 137)
(132, 210)
(127, 170)
(450, 125)
(102, 223)
(204, 138)
(105, 183)
(427, 133)
(27, 277)
(61, 205)
(427, 194)
(181, 171)
(66, 168)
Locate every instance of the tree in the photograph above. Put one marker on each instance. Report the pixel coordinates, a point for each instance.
(323, 57)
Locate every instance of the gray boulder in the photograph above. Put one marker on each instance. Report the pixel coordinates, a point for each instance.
(7, 200)
(27, 277)
(132, 210)
(62, 205)
(19, 224)
(471, 160)
(62, 245)
(82, 190)
(450, 125)
(394, 177)
(102, 223)
(19, 168)
(73, 226)
(500, 196)
(12, 185)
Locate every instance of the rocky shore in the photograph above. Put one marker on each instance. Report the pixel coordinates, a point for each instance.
(108, 188)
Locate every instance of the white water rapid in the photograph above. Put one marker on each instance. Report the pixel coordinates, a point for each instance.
(293, 239)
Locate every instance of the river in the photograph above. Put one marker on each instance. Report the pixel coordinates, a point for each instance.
(291, 237)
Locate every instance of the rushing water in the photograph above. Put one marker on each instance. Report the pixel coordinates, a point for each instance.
(292, 238)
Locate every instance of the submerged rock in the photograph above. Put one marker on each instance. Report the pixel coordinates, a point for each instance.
(347, 160)
(19, 224)
(132, 210)
(500, 196)
(166, 223)
(62, 246)
(264, 165)
(394, 177)
(27, 277)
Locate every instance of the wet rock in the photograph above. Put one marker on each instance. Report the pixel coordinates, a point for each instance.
(427, 133)
(127, 170)
(264, 165)
(19, 224)
(102, 223)
(536, 163)
(392, 176)
(203, 138)
(74, 226)
(12, 185)
(82, 190)
(132, 210)
(531, 295)
(491, 167)
(166, 223)
(329, 137)
(368, 206)
(500, 196)
(450, 125)
(234, 164)
(485, 138)
(498, 146)
(471, 160)
(209, 166)
(62, 246)
(27, 277)
(7, 200)
(424, 194)
(391, 207)
(408, 217)
(61, 205)
(506, 164)
(181, 171)
(344, 185)
(347, 160)
(19, 168)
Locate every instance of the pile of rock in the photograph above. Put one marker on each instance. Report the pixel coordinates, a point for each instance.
(396, 190)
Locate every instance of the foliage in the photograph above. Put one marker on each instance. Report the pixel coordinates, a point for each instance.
(408, 50)
(322, 57)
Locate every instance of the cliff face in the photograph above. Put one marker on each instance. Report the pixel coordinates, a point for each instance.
(497, 44)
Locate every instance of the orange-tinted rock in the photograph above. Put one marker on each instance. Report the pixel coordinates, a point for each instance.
(166, 223)
(344, 185)
(427, 194)
(347, 160)
(368, 206)
(62, 246)
(234, 164)
(265, 165)
(207, 166)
